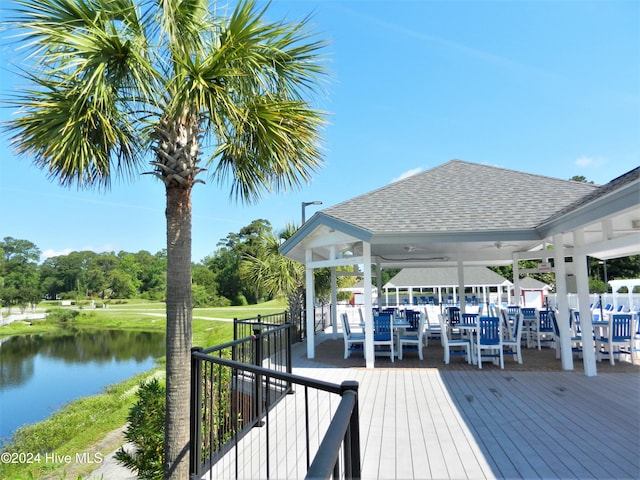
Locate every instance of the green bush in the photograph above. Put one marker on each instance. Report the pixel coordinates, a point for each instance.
(62, 315)
(145, 429)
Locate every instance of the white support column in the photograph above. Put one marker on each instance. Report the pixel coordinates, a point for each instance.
(379, 283)
(582, 281)
(563, 303)
(516, 284)
(311, 334)
(368, 307)
(334, 302)
(462, 299)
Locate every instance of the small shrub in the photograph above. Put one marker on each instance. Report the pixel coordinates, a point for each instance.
(62, 315)
(145, 430)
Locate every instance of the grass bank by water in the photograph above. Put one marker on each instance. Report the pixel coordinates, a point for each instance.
(62, 446)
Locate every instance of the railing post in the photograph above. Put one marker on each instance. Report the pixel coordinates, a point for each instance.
(257, 361)
(289, 340)
(195, 440)
(352, 438)
(289, 344)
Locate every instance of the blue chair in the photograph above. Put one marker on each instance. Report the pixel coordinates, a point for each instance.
(470, 317)
(545, 332)
(618, 339)
(513, 344)
(413, 318)
(489, 337)
(383, 333)
(529, 321)
(453, 316)
(576, 332)
(352, 341)
(416, 338)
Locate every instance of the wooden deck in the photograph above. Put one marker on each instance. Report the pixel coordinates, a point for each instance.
(455, 422)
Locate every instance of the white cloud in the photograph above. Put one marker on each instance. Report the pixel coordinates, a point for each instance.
(585, 162)
(50, 252)
(407, 174)
(55, 253)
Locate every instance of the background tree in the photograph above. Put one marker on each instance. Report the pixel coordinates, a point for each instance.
(275, 273)
(109, 80)
(226, 261)
(580, 178)
(19, 272)
(153, 274)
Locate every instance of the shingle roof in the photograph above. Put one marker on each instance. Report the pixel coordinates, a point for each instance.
(445, 276)
(461, 196)
(530, 283)
(614, 184)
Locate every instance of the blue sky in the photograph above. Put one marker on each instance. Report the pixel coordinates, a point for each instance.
(544, 87)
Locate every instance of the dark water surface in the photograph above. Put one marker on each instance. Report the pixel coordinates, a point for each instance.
(39, 374)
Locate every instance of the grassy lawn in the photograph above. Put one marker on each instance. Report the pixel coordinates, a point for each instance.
(81, 426)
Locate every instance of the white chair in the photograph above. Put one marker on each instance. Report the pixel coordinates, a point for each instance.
(514, 342)
(489, 337)
(352, 341)
(413, 338)
(619, 337)
(383, 333)
(452, 346)
(546, 329)
(433, 330)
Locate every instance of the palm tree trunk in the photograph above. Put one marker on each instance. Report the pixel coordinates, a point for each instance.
(179, 332)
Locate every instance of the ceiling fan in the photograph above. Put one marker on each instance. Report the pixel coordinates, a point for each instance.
(499, 244)
(414, 248)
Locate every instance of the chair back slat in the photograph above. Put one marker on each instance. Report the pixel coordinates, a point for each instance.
(546, 321)
(470, 317)
(454, 315)
(489, 330)
(413, 318)
(382, 327)
(620, 327)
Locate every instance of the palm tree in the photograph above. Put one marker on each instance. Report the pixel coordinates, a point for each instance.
(275, 273)
(114, 84)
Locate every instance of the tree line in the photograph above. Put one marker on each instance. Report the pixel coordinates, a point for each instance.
(217, 279)
(246, 268)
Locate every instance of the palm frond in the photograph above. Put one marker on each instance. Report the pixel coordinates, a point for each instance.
(92, 86)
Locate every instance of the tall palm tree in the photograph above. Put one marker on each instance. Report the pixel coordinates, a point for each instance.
(114, 84)
(275, 273)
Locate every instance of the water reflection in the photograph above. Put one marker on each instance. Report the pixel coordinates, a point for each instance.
(96, 346)
(40, 373)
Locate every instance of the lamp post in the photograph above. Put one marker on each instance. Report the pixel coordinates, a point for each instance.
(305, 205)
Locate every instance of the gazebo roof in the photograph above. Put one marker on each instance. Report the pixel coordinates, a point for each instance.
(445, 277)
(461, 196)
(475, 214)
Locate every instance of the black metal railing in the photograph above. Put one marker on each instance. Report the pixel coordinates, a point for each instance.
(248, 383)
(322, 320)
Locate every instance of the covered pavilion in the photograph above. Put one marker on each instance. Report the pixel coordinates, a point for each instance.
(463, 214)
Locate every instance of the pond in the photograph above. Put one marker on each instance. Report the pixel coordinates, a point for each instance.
(41, 373)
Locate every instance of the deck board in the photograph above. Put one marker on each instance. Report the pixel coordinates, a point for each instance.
(465, 423)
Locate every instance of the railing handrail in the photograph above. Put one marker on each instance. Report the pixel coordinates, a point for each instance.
(326, 458)
(290, 377)
(258, 377)
(272, 328)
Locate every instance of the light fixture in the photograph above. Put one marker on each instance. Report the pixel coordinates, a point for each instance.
(635, 224)
(306, 204)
